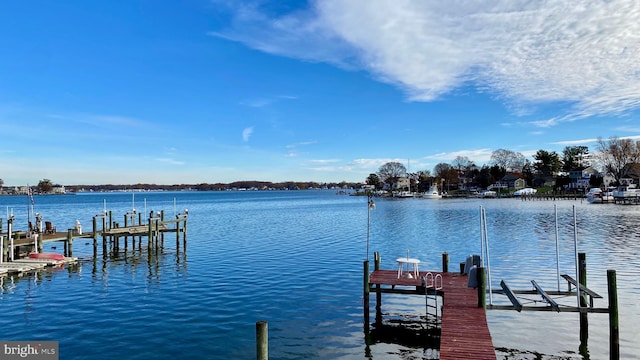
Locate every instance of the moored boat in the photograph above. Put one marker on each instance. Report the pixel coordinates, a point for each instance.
(432, 193)
(403, 194)
(46, 256)
(487, 194)
(598, 196)
(626, 192)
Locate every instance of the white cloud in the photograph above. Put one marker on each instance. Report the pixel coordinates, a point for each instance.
(634, 129)
(170, 161)
(325, 161)
(584, 54)
(589, 141)
(266, 101)
(478, 156)
(246, 133)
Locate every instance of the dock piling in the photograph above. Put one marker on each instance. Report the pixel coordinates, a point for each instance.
(68, 245)
(482, 286)
(262, 340)
(614, 331)
(445, 262)
(376, 257)
(366, 296)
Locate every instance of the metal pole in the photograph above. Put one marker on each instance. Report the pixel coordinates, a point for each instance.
(486, 240)
(368, 222)
(555, 208)
(575, 245)
(481, 237)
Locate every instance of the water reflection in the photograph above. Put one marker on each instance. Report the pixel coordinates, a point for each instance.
(152, 259)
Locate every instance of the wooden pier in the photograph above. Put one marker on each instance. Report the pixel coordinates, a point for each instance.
(464, 333)
(16, 245)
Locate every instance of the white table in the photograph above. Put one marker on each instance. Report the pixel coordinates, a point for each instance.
(405, 260)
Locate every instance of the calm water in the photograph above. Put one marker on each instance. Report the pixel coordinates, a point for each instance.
(295, 259)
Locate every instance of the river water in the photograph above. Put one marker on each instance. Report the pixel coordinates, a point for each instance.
(295, 259)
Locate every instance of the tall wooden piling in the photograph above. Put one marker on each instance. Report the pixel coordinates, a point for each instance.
(584, 320)
(133, 243)
(614, 330)
(445, 262)
(482, 286)
(262, 340)
(184, 235)
(161, 233)
(366, 296)
(376, 267)
(68, 248)
(150, 231)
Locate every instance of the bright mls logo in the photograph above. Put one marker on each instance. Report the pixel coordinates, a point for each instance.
(37, 350)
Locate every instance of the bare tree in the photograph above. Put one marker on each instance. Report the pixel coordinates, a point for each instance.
(461, 163)
(390, 172)
(618, 156)
(508, 160)
(445, 172)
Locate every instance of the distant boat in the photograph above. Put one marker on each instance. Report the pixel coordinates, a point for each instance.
(487, 194)
(629, 191)
(598, 196)
(403, 194)
(525, 191)
(432, 193)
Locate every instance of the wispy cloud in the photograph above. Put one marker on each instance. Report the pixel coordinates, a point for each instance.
(170, 161)
(522, 52)
(266, 101)
(478, 155)
(246, 134)
(257, 102)
(292, 149)
(634, 129)
(325, 161)
(591, 141)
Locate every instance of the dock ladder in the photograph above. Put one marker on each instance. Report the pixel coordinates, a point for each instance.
(433, 301)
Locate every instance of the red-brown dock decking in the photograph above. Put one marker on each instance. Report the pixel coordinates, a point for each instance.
(464, 333)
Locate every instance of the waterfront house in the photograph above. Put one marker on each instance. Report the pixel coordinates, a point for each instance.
(513, 181)
(544, 181)
(580, 178)
(401, 183)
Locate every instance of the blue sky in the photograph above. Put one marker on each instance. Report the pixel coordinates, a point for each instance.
(197, 91)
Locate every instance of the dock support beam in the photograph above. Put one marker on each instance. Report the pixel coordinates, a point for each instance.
(262, 340)
(584, 320)
(482, 287)
(376, 267)
(366, 297)
(614, 331)
(445, 262)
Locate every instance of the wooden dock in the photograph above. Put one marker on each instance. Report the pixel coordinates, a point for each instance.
(465, 333)
(464, 330)
(17, 244)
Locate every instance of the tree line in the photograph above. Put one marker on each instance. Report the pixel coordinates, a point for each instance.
(616, 157)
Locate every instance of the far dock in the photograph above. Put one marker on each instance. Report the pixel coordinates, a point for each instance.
(16, 245)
